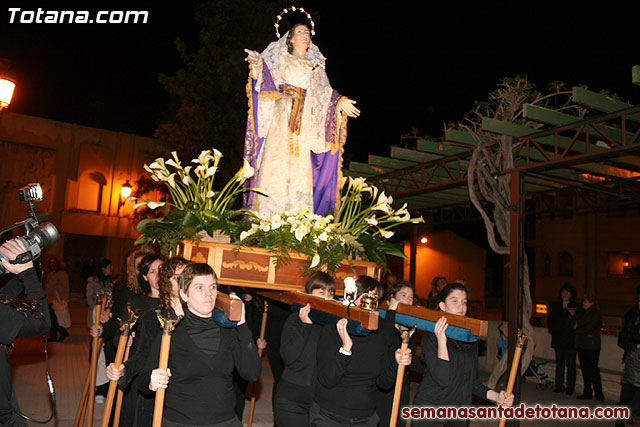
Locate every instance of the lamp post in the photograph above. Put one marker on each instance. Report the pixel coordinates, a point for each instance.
(125, 192)
(6, 91)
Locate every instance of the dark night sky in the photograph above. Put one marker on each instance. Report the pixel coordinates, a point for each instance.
(407, 64)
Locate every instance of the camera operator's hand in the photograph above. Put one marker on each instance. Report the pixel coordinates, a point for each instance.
(11, 249)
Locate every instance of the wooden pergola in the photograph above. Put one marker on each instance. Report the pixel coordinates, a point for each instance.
(597, 158)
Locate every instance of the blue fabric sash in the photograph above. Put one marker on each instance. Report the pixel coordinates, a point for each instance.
(322, 318)
(222, 321)
(452, 332)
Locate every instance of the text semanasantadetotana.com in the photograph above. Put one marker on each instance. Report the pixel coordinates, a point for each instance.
(521, 412)
(40, 16)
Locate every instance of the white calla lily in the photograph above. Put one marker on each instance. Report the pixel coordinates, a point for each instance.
(386, 234)
(315, 261)
(171, 162)
(171, 179)
(155, 205)
(246, 171)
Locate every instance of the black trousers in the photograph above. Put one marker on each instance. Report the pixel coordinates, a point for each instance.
(566, 357)
(289, 413)
(627, 393)
(590, 371)
(318, 417)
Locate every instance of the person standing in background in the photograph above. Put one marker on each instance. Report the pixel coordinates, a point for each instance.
(563, 338)
(56, 287)
(587, 327)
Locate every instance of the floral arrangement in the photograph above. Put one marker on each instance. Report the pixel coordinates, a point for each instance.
(363, 220)
(194, 206)
(358, 230)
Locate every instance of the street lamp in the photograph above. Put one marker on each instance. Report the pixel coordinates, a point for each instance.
(125, 192)
(6, 91)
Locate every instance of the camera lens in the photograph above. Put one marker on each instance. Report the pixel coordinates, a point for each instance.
(46, 235)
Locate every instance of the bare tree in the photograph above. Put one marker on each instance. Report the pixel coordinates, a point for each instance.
(493, 154)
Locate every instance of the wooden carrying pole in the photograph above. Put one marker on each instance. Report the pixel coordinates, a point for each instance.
(477, 327)
(125, 328)
(116, 412)
(406, 336)
(232, 307)
(263, 328)
(168, 325)
(368, 318)
(514, 370)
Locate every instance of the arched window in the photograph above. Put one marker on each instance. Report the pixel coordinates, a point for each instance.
(90, 187)
(565, 264)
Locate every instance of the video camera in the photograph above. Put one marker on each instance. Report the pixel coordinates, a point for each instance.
(37, 236)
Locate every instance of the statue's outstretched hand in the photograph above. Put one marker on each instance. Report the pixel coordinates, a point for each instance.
(348, 106)
(253, 57)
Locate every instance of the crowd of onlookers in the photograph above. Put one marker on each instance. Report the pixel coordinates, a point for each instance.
(575, 330)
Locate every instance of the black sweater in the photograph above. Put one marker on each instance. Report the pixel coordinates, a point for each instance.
(449, 382)
(298, 349)
(200, 390)
(347, 384)
(560, 326)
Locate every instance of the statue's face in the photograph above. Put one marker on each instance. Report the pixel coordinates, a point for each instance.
(300, 38)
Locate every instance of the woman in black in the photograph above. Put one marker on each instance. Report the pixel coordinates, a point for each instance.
(199, 384)
(562, 338)
(450, 377)
(588, 324)
(298, 349)
(350, 367)
(18, 320)
(138, 407)
(400, 292)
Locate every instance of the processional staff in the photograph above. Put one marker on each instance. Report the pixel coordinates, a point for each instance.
(406, 336)
(88, 392)
(514, 369)
(263, 328)
(168, 325)
(125, 327)
(116, 412)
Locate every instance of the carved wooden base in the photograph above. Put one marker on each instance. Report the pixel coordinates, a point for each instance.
(255, 267)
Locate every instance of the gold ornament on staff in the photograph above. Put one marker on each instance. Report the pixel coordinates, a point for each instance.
(168, 325)
(263, 328)
(369, 302)
(294, 9)
(125, 327)
(406, 336)
(514, 369)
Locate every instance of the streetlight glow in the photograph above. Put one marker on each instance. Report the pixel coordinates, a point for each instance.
(6, 91)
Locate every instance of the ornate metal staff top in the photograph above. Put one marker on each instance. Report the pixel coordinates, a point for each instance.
(407, 334)
(166, 323)
(127, 324)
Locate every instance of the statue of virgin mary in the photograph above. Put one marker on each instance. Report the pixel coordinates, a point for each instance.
(296, 127)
